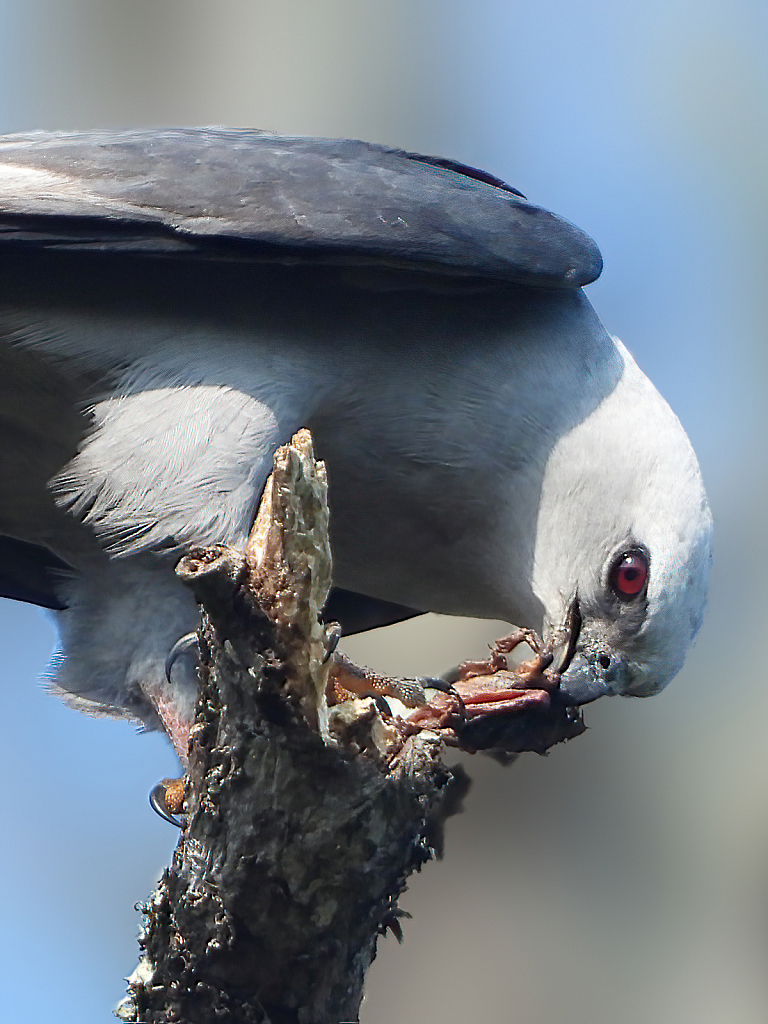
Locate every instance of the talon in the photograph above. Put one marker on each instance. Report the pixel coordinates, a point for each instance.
(182, 646)
(432, 683)
(167, 800)
(346, 677)
(381, 703)
(332, 637)
(444, 686)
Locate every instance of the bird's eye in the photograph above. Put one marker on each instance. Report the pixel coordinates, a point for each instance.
(629, 575)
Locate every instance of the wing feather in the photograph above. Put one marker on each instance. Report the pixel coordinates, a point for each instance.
(215, 193)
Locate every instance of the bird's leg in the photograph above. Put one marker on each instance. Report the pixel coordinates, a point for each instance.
(481, 688)
(167, 797)
(347, 680)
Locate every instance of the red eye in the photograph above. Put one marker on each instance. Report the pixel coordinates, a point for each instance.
(629, 575)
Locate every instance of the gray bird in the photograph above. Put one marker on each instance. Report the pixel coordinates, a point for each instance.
(174, 305)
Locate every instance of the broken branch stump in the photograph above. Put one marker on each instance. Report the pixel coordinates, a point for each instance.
(302, 827)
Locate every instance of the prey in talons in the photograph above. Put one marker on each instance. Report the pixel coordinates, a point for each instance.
(491, 686)
(491, 705)
(507, 707)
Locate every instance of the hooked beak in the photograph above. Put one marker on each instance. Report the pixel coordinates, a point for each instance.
(583, 682)
(580, 680)
(564, 652)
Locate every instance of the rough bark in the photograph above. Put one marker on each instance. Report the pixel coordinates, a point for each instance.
(302, 824)
(301, 828)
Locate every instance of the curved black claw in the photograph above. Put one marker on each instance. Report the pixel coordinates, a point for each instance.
(159, 806)
(332, 637)
(381, 703)
(182, 646)
(430, 683)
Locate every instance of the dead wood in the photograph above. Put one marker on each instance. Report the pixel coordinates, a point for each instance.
(300, 831)
(301, 824)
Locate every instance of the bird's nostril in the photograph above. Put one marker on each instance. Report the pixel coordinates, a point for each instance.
(604, 661)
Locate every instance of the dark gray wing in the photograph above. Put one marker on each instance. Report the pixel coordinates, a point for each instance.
(357, 613)
(247, 194)
(28, 572)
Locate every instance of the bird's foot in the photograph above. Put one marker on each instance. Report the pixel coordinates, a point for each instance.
(347, 680)
(167, 799)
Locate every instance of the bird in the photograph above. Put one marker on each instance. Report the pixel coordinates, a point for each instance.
(176, 304)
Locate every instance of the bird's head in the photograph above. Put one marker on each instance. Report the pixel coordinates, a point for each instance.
(623, 547)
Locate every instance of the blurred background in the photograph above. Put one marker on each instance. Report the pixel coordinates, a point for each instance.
(625, 876)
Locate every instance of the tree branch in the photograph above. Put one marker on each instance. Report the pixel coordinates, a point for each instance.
(302, 824)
